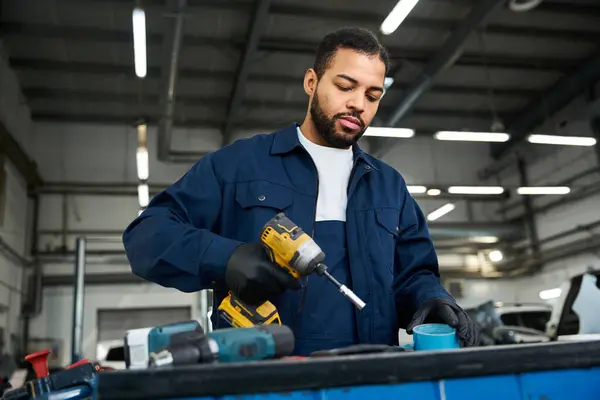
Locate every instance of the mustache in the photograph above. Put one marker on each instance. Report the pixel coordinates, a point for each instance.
(353, 115)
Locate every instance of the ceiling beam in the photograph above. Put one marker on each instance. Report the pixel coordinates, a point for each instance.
(79, 96)
(282, 45)
(116, 70)
(441, 25)
(560, 7)
(549, 103)
(364, 17)
(131, 119)
(256, 27)
(447, 55)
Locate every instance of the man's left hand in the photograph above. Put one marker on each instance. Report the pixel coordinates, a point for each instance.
(449, 313)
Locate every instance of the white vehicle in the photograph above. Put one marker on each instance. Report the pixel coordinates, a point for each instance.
(527, 320)
(575, 315)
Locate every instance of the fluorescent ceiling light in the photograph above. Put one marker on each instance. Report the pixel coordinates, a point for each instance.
(139, 42)
(387, 82)
(140, 211)
(484, 239)
(416, 189)
(475, 190)
(142, 163)
(434, 192)
(143, 195)
(440, 212)
(495, 256)
(397, 15)
(403, 133)
(464, 136)
(539, 190)
(562, 140)
(550, 294)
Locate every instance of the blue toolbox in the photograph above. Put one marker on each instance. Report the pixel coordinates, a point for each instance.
(549, 371)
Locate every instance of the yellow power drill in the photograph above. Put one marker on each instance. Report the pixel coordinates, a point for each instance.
(288, 246)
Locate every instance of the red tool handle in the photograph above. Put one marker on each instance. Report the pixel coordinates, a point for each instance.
(78, 363)
(39, 361)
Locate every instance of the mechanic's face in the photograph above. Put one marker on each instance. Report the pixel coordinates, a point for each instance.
(345, 100)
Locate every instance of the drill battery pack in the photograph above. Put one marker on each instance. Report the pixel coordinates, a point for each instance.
(241, 315)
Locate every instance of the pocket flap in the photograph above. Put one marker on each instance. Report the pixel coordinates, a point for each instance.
(263, 194)
(389, 218)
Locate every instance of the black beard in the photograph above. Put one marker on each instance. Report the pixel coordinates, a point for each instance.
(325, 126)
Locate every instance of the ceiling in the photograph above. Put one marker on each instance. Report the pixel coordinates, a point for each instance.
(74, 59)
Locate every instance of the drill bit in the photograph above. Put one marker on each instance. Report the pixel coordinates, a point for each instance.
(345, 290)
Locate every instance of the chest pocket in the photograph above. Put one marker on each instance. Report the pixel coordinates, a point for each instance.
(263, 194)
(259, 201)
(387, 233)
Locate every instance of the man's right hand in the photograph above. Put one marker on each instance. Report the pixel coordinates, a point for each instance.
(252, 276)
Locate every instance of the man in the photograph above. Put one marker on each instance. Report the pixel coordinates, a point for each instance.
(203, 231)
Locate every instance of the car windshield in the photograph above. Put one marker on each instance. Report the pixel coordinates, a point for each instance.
(529, 319)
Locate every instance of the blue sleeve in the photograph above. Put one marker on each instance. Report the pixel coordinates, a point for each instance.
(417, 277)
(171, 243)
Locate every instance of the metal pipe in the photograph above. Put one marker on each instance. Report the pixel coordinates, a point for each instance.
(529, 215)
(78, 302)
(165, 126)
(596, 130)
(573, 231)
(65, 223)
(566, 182)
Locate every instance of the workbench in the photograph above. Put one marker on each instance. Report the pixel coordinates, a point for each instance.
(550, 371)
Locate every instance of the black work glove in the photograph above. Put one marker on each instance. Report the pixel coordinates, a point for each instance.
(252, 276)
(447, 312)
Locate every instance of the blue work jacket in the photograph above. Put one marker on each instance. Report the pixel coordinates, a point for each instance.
(186, 235)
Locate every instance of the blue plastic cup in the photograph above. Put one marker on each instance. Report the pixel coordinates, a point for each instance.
(435, 337)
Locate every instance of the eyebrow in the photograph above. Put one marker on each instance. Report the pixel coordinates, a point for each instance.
(346, 77)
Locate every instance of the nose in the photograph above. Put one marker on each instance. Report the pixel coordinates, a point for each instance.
(356, 102)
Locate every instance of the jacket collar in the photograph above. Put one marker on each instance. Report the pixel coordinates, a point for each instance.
(286, 140)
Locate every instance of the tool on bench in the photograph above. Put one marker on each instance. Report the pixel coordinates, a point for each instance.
(76, 382)
(140, 343)
(225, 345)
(292, 249)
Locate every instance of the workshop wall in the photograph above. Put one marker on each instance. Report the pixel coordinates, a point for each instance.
(13, 233)
(16, 118)
(55, 321)
(552, 166)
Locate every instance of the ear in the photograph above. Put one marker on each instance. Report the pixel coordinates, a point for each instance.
(310, 82)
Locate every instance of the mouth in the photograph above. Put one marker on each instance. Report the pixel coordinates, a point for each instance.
(350, 123)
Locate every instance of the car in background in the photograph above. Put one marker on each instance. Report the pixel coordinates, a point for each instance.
(527, 320)
(573, 316)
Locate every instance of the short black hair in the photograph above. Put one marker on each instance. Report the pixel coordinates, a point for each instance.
(358, 39)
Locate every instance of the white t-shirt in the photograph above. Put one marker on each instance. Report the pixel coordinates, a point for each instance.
(334, 167)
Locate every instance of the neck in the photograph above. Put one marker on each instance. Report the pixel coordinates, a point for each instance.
(310, 132)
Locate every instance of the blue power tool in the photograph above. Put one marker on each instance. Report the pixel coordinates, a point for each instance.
(140, 343)
(225, 345)
(76, 382)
